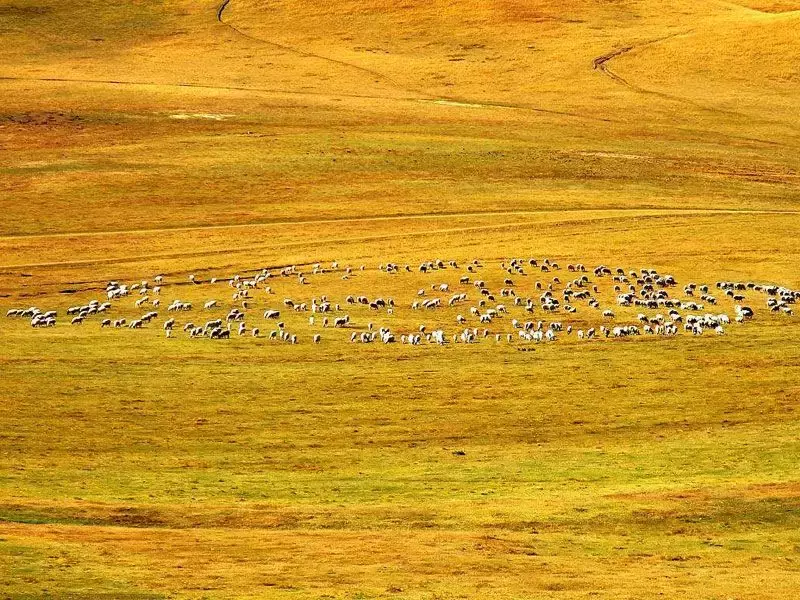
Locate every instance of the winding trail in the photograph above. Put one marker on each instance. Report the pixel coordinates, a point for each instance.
(601, 64)
(372, 73)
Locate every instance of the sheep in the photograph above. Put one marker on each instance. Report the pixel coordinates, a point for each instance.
(212, 324)
(646, 289)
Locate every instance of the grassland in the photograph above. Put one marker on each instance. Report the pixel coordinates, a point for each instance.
(166, 137)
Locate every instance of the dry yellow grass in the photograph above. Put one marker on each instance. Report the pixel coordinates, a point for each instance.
(145, 137)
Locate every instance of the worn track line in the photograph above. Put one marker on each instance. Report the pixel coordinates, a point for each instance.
(372, 238)
(625, 212)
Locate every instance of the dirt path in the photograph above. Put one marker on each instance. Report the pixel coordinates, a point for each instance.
(601, 64)
(372, 73)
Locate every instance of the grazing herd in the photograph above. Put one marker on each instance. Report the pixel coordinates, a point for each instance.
(527, 301)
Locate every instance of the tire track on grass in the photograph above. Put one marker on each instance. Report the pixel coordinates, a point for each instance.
(601, 64)
(377, 237)
(305, 54)
(620, 211)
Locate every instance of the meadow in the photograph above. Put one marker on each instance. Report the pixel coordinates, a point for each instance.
(141, 137)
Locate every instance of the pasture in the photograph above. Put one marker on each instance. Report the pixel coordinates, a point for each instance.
(147, 138)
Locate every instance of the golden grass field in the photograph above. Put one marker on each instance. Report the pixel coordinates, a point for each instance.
(145, 137)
